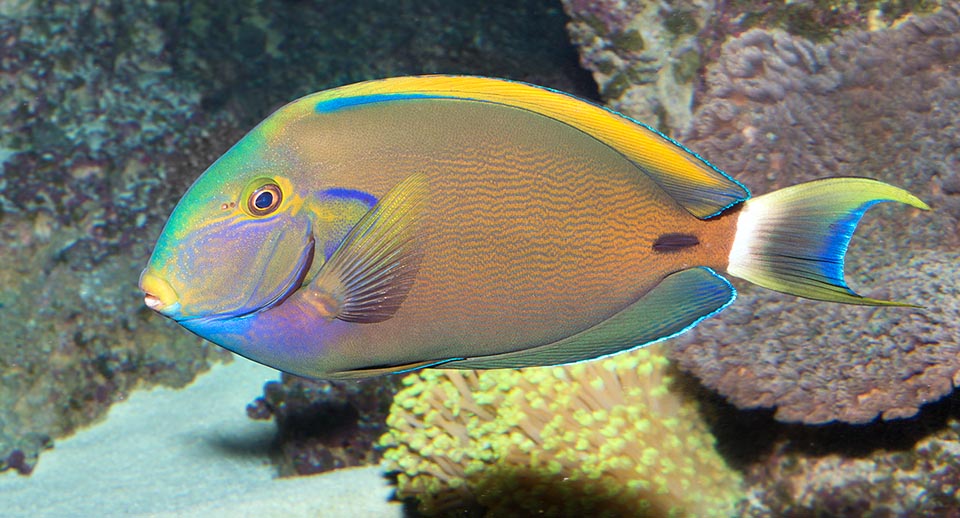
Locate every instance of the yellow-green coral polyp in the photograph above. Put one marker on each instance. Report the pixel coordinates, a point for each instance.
(605, 438)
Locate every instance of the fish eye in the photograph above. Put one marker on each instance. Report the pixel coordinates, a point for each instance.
(264, 199)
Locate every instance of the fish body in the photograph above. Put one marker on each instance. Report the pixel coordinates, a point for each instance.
(473, 223)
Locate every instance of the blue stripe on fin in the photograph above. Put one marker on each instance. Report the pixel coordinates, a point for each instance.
(831, 255)
(339, 103)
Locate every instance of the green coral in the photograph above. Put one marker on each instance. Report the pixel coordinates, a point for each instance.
(603, 438)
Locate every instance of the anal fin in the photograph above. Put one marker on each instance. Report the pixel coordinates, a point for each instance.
(369, 372)
(675, 305)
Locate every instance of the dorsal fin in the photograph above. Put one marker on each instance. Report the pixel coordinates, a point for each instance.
(697, 185)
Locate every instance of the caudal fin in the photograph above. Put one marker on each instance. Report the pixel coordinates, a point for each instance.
(794, 240)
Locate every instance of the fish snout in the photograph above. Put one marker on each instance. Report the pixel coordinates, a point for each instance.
(158, 294)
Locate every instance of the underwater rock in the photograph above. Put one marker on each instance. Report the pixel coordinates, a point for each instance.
(111, 109)
(779, 110)
(613, 437)
(648, 57)
(69, 348)
(326, 425)
(889, 468)
(92, 122)
(645, 56)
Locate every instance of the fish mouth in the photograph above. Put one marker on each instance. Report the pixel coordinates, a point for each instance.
(158, 294)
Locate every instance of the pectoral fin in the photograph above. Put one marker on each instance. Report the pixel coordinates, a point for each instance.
(371, 272)
(675, 305)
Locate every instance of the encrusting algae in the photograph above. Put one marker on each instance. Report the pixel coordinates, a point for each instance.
(604, 438)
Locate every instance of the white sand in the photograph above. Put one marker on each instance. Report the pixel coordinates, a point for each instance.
(189, 452)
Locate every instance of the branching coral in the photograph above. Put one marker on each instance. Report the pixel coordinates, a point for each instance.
(604, 438)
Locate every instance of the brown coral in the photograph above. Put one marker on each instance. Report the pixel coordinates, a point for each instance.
(781, 110)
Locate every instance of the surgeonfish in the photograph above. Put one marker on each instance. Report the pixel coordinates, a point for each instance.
(476, 223)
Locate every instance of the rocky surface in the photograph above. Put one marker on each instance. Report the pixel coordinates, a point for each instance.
(111, 109)
(780, 110)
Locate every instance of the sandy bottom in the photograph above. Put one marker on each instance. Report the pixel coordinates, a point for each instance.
(189, 452)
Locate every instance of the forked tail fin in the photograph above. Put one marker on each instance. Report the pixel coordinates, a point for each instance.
(794, 240)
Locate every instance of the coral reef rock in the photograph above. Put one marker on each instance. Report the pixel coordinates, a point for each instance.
(111, 109)
(325, 425)
(779, 110)
(893, 468)
(645, 56)
(649, 57)
(613, 437)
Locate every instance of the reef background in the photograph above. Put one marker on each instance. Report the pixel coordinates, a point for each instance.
(111, 109)
(786, 92)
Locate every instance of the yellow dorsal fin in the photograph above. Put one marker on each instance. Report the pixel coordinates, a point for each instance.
(698, 186)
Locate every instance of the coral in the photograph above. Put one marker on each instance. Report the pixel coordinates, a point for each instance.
(325, 425)
(611, 437)
(649, 57)
(111, 109)
(92, 122)
(893, 468)
(781, 110)
(644, 55)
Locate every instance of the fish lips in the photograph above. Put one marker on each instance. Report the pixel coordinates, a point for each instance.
(158, 294)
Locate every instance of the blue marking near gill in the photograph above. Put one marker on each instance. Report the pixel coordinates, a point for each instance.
(340, 103)
(351, 194)
(340, 193)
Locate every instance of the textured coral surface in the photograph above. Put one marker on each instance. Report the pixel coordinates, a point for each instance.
(615, 437)
(780, 110)
(649, 57)
(93, 123)
(903, 467)
(644, 56)
(109, 110)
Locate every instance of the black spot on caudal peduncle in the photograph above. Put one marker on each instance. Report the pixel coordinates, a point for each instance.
(674, 242)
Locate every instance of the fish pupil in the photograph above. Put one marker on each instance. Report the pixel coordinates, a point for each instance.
(264, 200)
